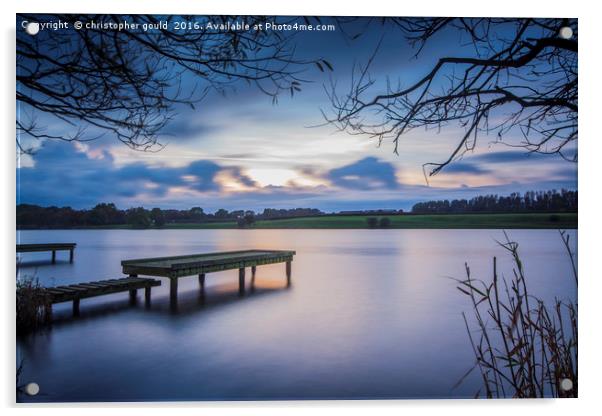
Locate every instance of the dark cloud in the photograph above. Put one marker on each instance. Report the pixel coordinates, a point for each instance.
(465, 167)
(186, 126)
(365, 174)
(510, 156)
(62, 175)
(489, 163)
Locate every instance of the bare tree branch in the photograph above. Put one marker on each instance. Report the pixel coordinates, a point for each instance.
(126, 83)
(521, 77)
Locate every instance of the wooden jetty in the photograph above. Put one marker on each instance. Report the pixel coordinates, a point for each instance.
(75, 292)
(53, 247)
(200, 264)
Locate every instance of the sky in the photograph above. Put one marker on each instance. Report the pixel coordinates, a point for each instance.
(241, 151)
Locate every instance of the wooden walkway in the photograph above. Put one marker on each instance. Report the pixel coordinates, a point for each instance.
(53, 247)
(75, 292)
(200, 264)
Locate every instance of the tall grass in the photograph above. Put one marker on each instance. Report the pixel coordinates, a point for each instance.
(19, 384)
(524, 348)
(33, 305)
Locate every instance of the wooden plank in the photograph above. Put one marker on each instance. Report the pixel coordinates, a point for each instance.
(97, 284)
(219, 267)
(170, 259)
(84, 287)
(127, 280)
(64, 289)
(90, 286)
(108, 282)
(72, 288)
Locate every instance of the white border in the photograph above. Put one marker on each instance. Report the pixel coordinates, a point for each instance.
(589, 187)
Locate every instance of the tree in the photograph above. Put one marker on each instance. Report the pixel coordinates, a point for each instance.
(247, 220)
(372, 222)
(157, 217)
(521, 76)
(126, 83)
(138, 217)
(541, 201)
(103, 214)
(221, 213)
(196, 214)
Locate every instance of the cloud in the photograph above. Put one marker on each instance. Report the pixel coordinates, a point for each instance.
(509, 163)
(65, 175)
(365, 174)
(465, 167)
(511, 156)
(185, 127)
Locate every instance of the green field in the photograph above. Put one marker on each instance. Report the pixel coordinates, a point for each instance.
(509, 221)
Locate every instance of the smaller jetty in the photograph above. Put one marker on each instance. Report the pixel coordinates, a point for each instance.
(53, 247)
(73, 293)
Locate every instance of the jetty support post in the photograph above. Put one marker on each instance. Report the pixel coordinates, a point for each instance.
(71, 256)
(288, 272)
(173, 291)
(253, 270)
(53, 256)
(202, 281)
(241, 281)
(133, 293)
(147, 295)
(76, 307)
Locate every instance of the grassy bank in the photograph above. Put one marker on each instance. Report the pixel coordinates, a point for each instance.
(505, 221)
(432, 221)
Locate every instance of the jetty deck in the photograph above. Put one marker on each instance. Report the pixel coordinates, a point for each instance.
(53, 247)
(75, 292)
(175, 267)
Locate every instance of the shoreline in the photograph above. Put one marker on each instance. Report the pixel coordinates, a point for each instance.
(403, 221)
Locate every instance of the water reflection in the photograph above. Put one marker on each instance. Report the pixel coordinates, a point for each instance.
(188, 303)
(370, 314)
(40, 263)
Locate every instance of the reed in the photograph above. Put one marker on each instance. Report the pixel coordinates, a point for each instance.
(19, 384)
(524, 348)
(33, 305)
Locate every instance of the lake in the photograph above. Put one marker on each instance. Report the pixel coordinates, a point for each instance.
(369, 314)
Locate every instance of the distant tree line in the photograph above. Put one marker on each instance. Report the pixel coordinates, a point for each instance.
(107, 214)
(372, 212)
(532, 201)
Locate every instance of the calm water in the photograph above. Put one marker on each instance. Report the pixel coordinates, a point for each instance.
(369, 314)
